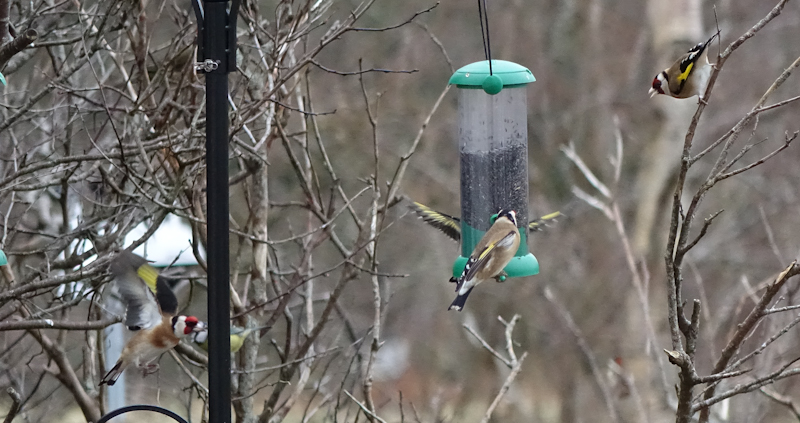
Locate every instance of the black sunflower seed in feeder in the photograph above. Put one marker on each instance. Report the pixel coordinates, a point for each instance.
(493, 180)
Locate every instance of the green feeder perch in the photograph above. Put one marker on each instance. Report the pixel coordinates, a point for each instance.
(493, 145)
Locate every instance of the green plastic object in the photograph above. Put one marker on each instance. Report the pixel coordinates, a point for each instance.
(3, 79)
(523, 264)
(504, 74)
(492, 84)
(3, 258)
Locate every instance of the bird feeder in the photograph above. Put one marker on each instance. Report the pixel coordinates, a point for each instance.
(493, 147)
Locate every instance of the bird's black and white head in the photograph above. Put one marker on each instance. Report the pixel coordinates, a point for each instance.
(508, 214)
(184, 325)
(660, 82)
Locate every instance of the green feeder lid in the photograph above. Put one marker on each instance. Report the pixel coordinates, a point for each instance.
(3, 258)
(504, 74)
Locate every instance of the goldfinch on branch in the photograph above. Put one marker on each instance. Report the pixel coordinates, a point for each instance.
(151, 313)
(238, 335)
(688, 76)
(492, 253)
(451, 226)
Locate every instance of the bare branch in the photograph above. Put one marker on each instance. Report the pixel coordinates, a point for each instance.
(367, 411)
(487, 346)
(15, 403)
(8, 50)
(569, 151)
(59, 324)
(506, 386)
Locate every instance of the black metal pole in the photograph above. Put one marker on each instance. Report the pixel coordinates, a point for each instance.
(217, 57)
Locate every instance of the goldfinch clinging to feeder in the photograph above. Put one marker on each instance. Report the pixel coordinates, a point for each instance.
(490, 256)
(151, 312)
(688, 76)
(451, 225)
(238, 335)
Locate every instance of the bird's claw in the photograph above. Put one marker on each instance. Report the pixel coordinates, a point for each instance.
(149, 369)
(501, 277)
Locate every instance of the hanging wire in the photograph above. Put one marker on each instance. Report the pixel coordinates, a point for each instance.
(487, 46)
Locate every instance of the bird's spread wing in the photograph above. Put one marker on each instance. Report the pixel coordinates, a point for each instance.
(476, 263)
(450, 225)
(165, 298)
(139, 285)
(142, 309)
(540, 223)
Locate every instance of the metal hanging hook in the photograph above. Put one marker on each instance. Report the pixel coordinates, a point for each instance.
(142, 407)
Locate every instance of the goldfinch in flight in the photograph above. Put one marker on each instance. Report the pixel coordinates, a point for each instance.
(688, 76)
(151, 312)
(492, 253)
(451, 226)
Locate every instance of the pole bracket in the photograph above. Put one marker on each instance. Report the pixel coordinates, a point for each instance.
(207, 65)
(222, 57)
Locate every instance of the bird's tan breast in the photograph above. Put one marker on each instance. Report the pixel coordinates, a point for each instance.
(162, 336)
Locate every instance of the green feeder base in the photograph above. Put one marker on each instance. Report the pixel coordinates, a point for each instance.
(3, 258)
(519, 266)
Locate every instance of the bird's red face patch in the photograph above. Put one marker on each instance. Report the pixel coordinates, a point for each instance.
(184, 325)
(657, 85)
(191, 323)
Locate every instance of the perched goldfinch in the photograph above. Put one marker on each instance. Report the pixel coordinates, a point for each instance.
(238, 335)
(490, 256)
(151, 312)
(688, 76)
(451, 226)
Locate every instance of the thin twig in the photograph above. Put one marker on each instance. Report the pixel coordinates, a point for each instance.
(583, 344)
(486, 345)
(363, 408)
(503, 389)
(784, 400)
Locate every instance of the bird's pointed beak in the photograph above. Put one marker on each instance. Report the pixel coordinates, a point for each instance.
(200, 327)
(652, 92)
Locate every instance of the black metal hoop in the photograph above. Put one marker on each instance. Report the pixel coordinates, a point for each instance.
(142, 407)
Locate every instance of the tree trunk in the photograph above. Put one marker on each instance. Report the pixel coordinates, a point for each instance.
(677, 26)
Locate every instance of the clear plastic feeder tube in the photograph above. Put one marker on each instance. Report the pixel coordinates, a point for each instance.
(493, 148)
